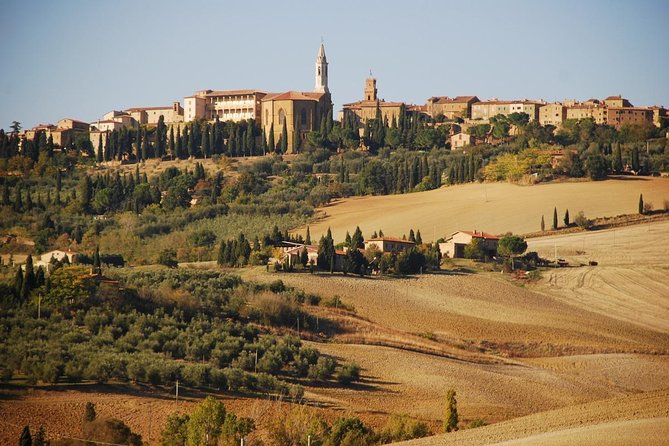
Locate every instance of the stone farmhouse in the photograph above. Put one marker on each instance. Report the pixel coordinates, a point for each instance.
(454, 246)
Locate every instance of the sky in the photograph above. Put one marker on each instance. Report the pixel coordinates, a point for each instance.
(83, 58)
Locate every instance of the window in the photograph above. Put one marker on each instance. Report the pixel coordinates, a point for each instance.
(282, 116)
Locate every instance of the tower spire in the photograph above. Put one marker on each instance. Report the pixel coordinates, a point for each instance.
(321, 85)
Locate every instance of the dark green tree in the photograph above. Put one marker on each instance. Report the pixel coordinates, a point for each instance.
(284, 138)
(357, 241)
(89, 412)
(451, 412)
(641, 209)
(555, 219)
(270, 138)
(307, 239)
(566, 218)
(543, 224)
(26, 439)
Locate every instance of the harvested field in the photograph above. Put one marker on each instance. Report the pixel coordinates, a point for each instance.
(491, 207)
(630, 282)
(640, 419)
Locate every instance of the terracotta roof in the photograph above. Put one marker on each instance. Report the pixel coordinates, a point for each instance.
(167, 107)
(495, 102)
(614, 97)
(293, 96)
(455, 100)
(390, 239)
(364, 103)
(233, 92)
(74, 120)
(480, 234)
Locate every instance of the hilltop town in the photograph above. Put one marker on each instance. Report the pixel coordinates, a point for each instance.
(286, 121)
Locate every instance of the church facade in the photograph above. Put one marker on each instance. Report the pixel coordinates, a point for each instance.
(302, 112)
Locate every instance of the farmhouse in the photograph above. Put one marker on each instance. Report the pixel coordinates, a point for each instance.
(292, 255)
(58, 255)
(389, 244)
(454, 246)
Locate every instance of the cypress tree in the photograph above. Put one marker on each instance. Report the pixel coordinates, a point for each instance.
(451, 412)
(18, 201)
(271, 144)
(205, 141)
(171, 142)
(284, 138)
(412, 236)
(555, 219)
(307, 240)
(250, 140)
(145, 146)
(138, 144)
(640, 203)
(26, 439)
(543, 224)
(191, 143)
(566, 217)
(617, 158)
(18, 282)
(98, 153)
(28, 279)
(419, 238)
(212, 140)
(161, 137)
(178, 149)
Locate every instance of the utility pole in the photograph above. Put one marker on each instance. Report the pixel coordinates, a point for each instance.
(176, 395)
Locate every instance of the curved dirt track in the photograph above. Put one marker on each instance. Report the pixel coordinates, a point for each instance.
(491, 207)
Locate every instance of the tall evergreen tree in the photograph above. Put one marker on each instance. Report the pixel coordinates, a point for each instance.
(191, 143)
(307, 239)
(98, 153)
(28, 279)
(555, 219)
(178, 147)
(451, 412)
(566, 218)
(617, 158)
(145, 146)
(161, 137)
(171, 144)
(543, 224)
(271, 143)
(206, 149)
(26, 439)
(641, 210)
(284, 138)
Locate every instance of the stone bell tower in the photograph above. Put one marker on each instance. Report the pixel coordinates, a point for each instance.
(321, 71)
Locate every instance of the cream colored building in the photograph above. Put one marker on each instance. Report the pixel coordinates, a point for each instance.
(617, 101)
(552, 114)
(484, 110)
(150, 115)
(389, 244)
(454, 246)
(595, 111)
(226, 105)
(451, 108)
(460, 140)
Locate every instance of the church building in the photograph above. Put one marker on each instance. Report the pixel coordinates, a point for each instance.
(301, 112)
(365, 109)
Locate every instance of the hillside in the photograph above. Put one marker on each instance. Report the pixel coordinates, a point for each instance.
(491, 207)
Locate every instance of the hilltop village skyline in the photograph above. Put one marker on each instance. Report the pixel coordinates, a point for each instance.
(296, 113)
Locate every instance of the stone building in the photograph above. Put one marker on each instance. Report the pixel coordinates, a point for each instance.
(226, 105)
(301, 111)
(451, 108)
(365, 109)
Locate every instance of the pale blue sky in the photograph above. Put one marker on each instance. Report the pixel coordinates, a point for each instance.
(82, 58)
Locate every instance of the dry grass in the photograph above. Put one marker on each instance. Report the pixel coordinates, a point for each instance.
(495, 207)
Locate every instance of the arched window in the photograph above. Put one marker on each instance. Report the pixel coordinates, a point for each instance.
(282, 116)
